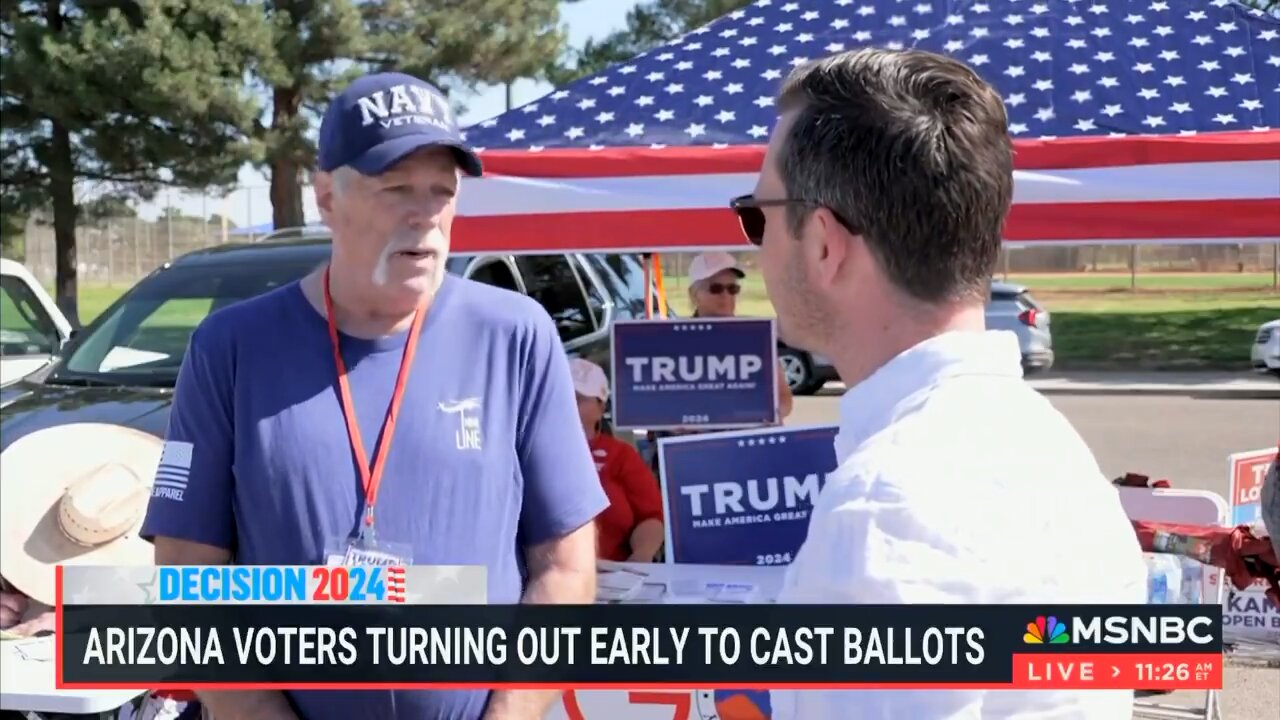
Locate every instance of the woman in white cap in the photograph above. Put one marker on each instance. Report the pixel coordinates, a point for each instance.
(713, 292)
(630, 529)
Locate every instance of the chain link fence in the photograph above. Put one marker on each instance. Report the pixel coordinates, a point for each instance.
(120, 251)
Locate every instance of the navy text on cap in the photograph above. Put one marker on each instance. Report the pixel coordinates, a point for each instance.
(383, 117)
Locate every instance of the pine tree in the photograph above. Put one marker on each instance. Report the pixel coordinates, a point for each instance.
(120, 98)
(321, 44)
(1268, 6)
(648, 25)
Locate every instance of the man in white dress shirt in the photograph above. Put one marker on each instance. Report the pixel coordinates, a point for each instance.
(879, 211)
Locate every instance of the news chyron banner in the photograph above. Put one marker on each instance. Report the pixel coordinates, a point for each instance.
(317, 628)
(710, 374)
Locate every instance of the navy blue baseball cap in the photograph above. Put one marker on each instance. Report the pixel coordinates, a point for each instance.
(383, 117)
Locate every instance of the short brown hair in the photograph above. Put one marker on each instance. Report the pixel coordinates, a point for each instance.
(910, 148)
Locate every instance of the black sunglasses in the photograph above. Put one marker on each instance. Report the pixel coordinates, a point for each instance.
(750, 210)
(717, 288)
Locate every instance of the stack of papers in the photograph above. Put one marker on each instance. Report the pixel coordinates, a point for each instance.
(617, 585)
(731, 592)
(37, 649)
(685, 591)
(647, 593)
(641, 583)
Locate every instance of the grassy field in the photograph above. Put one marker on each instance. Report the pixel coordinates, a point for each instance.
(1121, 282)
(1171, 321)
(96, 298)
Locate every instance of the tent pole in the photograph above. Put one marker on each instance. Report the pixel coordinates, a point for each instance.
(1275, 266)
(648, 286)
(660, 286)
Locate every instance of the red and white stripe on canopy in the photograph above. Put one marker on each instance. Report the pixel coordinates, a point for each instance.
(1186, 189)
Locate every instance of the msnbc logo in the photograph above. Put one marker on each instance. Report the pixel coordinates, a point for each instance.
(1046, 630)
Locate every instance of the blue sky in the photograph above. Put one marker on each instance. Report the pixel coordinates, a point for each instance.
(251, 205)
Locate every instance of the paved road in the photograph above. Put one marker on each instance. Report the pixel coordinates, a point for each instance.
(1183, 439)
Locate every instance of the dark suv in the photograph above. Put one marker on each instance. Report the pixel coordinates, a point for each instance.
(122, 367)
(584, 294)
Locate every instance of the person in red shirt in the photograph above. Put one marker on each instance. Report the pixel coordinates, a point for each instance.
(630, 529)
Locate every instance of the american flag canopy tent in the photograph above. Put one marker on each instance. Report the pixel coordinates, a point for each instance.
(1133, 122)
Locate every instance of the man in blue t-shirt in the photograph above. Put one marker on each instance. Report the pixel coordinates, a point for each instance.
(275, 452)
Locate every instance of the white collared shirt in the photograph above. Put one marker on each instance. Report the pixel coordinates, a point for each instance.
(958, 483)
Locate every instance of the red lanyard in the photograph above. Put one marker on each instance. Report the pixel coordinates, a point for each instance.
(371, 475)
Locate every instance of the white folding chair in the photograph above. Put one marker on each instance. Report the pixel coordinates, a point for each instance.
(1190, 507)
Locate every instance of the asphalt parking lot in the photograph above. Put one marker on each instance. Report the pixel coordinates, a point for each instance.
(1183, 439)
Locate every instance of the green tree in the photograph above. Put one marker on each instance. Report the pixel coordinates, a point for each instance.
(12, 231)
(173, 213)
(648, 25)
(108, 206)
(127, 96)
(321, 44)
(1268, 6)
(216, 220)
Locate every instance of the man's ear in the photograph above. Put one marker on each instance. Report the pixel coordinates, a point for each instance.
(324, 194)
(827, 246)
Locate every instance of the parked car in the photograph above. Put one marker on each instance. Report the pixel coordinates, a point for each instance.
(1265, 351)
(806, 372)
(1011, 308)
(122, 367)
(32, 328)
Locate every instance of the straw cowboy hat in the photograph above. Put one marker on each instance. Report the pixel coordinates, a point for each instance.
(74, 495)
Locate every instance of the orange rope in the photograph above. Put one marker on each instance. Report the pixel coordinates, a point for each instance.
(648, 287)
(662, 289)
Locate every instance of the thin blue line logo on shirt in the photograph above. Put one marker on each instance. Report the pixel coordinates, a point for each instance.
(467, 436)
(174, 471)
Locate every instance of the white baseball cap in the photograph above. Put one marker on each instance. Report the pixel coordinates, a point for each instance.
(709, 263)
(589, 379)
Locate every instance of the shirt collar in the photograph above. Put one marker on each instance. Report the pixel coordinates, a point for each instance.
(870, 405)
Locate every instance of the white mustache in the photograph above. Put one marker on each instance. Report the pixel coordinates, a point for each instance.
(413, 240)
(404, 240)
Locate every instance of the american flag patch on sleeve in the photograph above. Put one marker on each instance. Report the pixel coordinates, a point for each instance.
(174, 471)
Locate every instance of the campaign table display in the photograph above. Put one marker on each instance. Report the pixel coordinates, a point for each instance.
(27, 677)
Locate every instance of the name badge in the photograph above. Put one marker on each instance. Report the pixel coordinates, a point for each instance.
(365, 551)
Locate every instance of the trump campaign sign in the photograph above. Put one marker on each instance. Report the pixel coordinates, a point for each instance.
(744, 497)
(697, 373)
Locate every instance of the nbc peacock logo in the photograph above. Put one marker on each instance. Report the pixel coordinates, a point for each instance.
(1046, 630)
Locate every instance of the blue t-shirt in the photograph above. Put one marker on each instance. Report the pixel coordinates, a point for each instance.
(488, 456)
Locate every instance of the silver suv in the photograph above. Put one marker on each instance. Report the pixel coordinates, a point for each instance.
(1011, 308)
